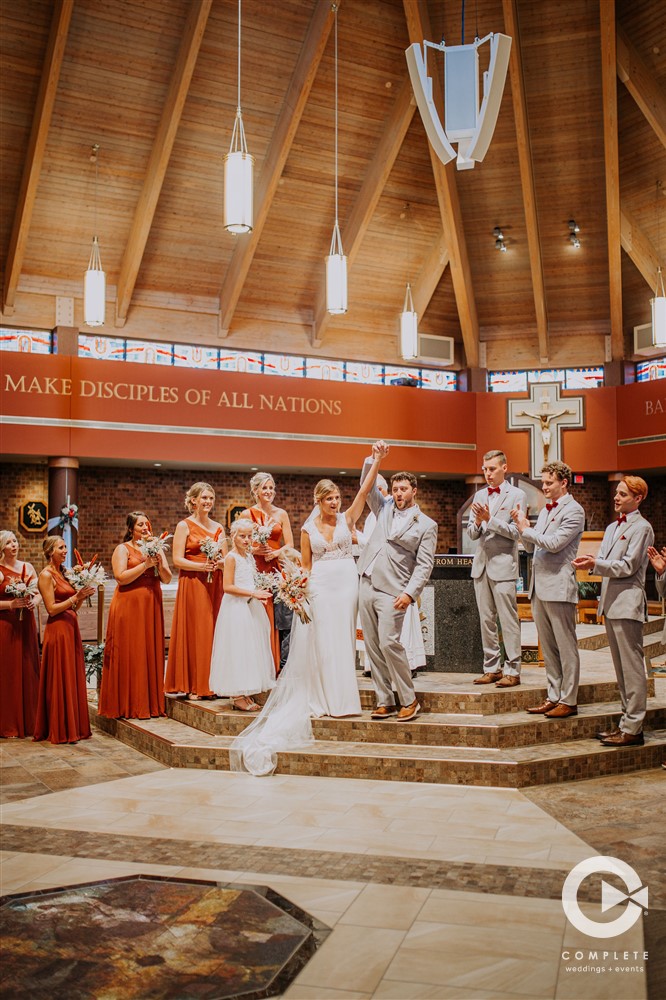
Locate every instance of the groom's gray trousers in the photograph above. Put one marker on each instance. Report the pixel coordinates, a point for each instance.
(382, 625)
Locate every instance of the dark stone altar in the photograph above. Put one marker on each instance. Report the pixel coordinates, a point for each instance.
(456, 644)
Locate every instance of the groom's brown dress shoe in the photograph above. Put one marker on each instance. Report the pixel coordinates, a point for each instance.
(543, 708)
(487, 678)
(508, 681)
(609, 732)
(624, 740)
(383, 711)
(409, 712)
(561, 711)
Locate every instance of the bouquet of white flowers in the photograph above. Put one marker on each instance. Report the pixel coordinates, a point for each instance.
(262, 532)
(151, 547)
(212, 549)
(85, 574)
(21, 588)
(265, 581)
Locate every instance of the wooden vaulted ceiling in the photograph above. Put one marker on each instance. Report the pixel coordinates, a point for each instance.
(581, 134)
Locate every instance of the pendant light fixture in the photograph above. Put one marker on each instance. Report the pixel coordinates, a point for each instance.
(336, 262)
(658, 303)
(238, 168)
(94, 281)
(409, 321)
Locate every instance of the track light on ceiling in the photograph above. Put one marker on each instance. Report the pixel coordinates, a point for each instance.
(574, 230)
(499, 240)
(94, 281)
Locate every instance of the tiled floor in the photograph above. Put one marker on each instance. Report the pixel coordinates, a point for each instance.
(439, 892)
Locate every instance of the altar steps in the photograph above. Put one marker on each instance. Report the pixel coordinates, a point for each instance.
(465, 735)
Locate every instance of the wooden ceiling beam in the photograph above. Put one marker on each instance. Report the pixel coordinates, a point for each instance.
(525, 163)
(418, 26)
(159, 155)
(639, 247)
(48, 86)
(612, 168)
(641, 84)
(293, 107)
(430, 275)
(377, 174)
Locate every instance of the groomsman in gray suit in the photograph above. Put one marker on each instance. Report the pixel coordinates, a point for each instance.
(658, 560)
(621, 562)
(495, 569)
(394, 567)
(553, 588)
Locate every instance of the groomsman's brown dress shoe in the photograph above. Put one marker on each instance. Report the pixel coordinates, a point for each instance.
(409, 712)
(624, 740)
(488, 678)
(609, 732)
(543, 708)
(383, 711)
(508, 681)
(561, 711)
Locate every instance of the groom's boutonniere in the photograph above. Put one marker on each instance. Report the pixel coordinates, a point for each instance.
(415, 518)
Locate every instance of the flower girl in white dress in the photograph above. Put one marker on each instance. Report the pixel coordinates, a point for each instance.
(241, 662)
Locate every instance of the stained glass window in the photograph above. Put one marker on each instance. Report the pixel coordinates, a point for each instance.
(434, 378)
(365, 374)
(546, 375)
(241, 361)
(507, 381)
(646, 371)
(188, 356)
(331, 371)
(26, 341)
(102, 348)
(284, 364)
(149, 352)
(584, 378)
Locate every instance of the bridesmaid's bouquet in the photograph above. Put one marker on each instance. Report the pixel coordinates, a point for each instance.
(151, 547)
(262, 532)
(21, 588)
(293, 590)
(85, 574)
(265, 581)
(212, 549)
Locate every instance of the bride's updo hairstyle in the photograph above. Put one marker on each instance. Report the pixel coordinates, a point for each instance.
(194, 492)
(258, 480)
(240, 522)
(323, 488)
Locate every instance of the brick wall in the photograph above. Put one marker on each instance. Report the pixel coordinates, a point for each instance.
(107, 494)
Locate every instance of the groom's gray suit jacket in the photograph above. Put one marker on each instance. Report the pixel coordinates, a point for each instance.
(404, 563)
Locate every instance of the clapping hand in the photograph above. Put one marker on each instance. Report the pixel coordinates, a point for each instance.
(481, 512)
(583, 562)
(658, 559)
(520, 518)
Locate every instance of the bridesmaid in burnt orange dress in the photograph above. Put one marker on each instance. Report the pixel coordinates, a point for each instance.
(133, 673)
(62, 705)
(264, 512)
(198, 599)
(19, 675)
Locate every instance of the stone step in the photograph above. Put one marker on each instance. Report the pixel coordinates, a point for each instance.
(510, 729)
(599, 640)
(177, 745)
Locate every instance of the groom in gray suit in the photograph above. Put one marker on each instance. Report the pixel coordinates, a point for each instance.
(553, 589)
(495, 570)
(394, 567)
(621, 562)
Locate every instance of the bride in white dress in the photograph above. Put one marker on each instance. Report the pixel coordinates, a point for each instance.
(319, 677)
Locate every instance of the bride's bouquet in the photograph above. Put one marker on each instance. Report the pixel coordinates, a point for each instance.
(85, 574)
(212, 549)
(262, 532)
(292, 589)
(151, 547)
(21, 588)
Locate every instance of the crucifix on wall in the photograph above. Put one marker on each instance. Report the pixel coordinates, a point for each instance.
(545, 415)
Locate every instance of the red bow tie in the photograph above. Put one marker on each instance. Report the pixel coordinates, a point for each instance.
(493, 489)
(549, 506)
(622, 519)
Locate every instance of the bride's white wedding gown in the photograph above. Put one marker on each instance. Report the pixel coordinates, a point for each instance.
(319, 677)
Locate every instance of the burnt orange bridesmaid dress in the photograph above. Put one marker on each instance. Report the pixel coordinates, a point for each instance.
(62, 704)
(194, 615)
(133, 672)
(274, 542)
(19, 673)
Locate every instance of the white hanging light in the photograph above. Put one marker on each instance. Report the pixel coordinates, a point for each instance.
(658, 304)
(336, 262)
(238, 168)
(409, 334)
(94, 281)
